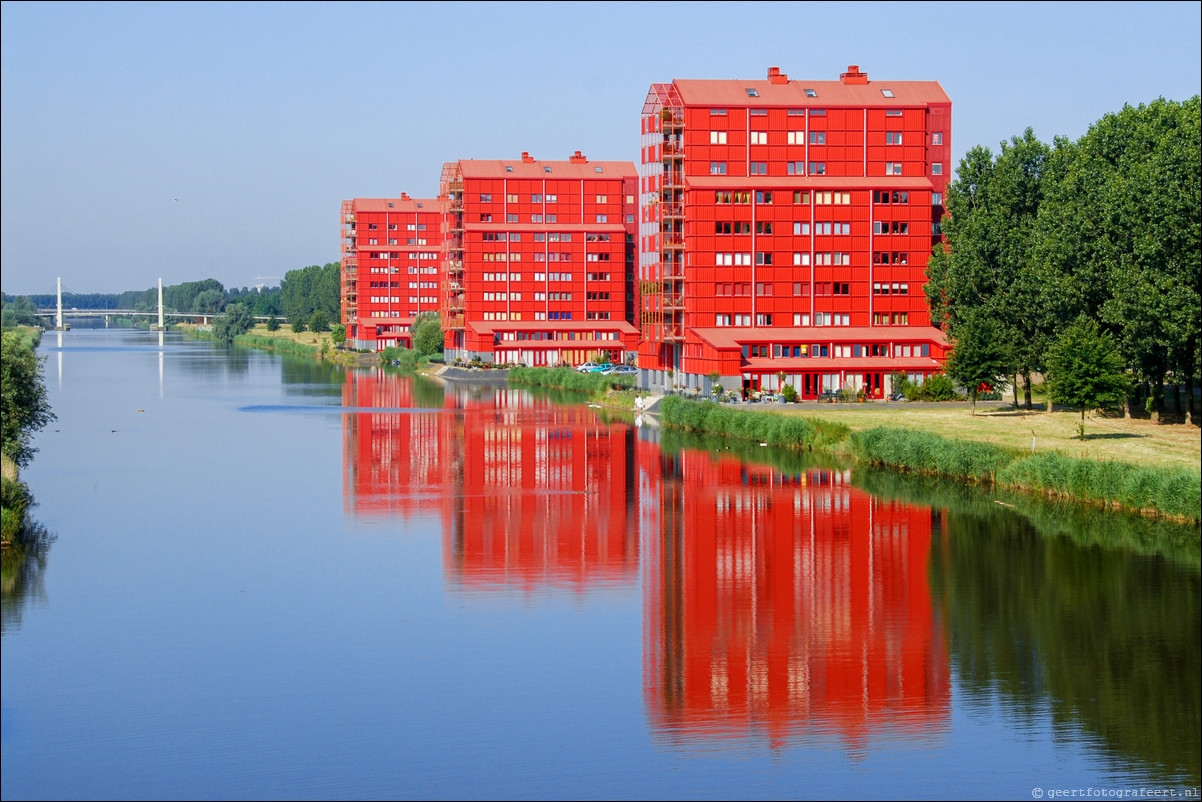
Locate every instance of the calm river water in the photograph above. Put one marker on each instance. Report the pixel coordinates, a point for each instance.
(273, 578)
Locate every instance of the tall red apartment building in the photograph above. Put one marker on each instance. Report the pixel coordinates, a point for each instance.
(785, 228)
(539, 260)
(391, 268)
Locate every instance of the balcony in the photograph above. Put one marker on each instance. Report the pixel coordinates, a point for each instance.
(673, 301)
(673, 178)
(673, 242)
(671, 210)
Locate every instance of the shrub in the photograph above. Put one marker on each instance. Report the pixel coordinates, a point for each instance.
(938, 387)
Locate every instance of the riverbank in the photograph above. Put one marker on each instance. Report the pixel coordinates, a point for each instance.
(285, 341)
(1168, 489)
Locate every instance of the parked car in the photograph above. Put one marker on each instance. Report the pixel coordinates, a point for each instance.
(829, 395)
(898, 396)
(602, 368)
(622, 370)
(587, 366)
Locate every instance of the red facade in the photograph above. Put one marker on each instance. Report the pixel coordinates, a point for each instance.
(391, 268)
(785, 227)
(538, 260)
(781, 606)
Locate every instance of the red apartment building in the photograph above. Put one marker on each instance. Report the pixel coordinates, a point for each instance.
(539, 260)
(391, 268)
(785, 228)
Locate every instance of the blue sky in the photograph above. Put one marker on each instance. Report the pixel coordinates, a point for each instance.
(214, 140)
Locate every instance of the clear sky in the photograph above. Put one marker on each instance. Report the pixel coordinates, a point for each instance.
(217, 140)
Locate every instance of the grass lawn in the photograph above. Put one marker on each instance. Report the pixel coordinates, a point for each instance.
(1124, 439)
(306, 337)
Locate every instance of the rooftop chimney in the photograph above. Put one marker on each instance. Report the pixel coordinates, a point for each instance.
(776, 76)
(404, 196)
(854, 76)
(577, 158)
(527, 158)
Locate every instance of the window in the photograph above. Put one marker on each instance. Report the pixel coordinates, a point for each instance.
(511, 218)
(800, 320)
(762, 258)
(601, 198)
(550, 218)
(486, 218)
(936, 198)
(508, 169)
(801, 259)
(717, 168)
(817, 168)
(763, 197)
(817, 137)
(811, 93)
(718, 112)
(721, 228)
(893, 168)
(893, 138)
(602, 218)
(536, 198)
(763, 228)
(817, 112)
(937, 138)
(536, 218)
(717, 137)
(759, 137)
(801, 229)
(801, 197)
(763, 288)
(753, 92)
(552, 198)
(893, 112)
(937, 168)
(885, 196)
(757, 168)
(887, 92)
(763, 320)
(511, 198)
(796, 137)
(796, 168)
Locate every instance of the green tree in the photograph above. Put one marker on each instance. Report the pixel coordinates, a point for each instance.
(319, 321)
(1121, 229)
(273, 323)
(311, 289)
(24, 408)
(20, 311)
(426, 334)
(208, 302)
(298, 326)
(236, 320)
(980, 356)
(986, 265)
(338, 334)
(1085, 369)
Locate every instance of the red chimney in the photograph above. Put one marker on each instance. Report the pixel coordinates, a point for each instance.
(776, 76)
(527, 158)
(404, 196)
(854, 76)
(576, 158)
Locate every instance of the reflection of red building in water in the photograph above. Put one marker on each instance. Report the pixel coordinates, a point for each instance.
(777, 603)
(543, 494)
(530, 493)
(392, 446)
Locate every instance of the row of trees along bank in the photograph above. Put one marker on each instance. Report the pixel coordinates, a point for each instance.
(1098, 238)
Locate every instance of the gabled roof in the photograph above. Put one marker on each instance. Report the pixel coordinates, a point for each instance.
(395, 204)
(792, 94)
(519, 168)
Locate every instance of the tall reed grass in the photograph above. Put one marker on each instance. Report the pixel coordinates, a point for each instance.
(569, 379)
(791, 431)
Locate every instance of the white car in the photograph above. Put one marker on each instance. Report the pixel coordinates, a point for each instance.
(588, 366)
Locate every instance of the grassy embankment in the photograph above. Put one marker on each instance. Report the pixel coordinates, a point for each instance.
(989, 452)
(614, 391)
(283, 340)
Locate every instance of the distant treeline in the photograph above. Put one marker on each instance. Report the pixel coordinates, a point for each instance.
(300, 294)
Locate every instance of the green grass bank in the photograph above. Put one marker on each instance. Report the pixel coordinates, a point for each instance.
(1170, 491)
